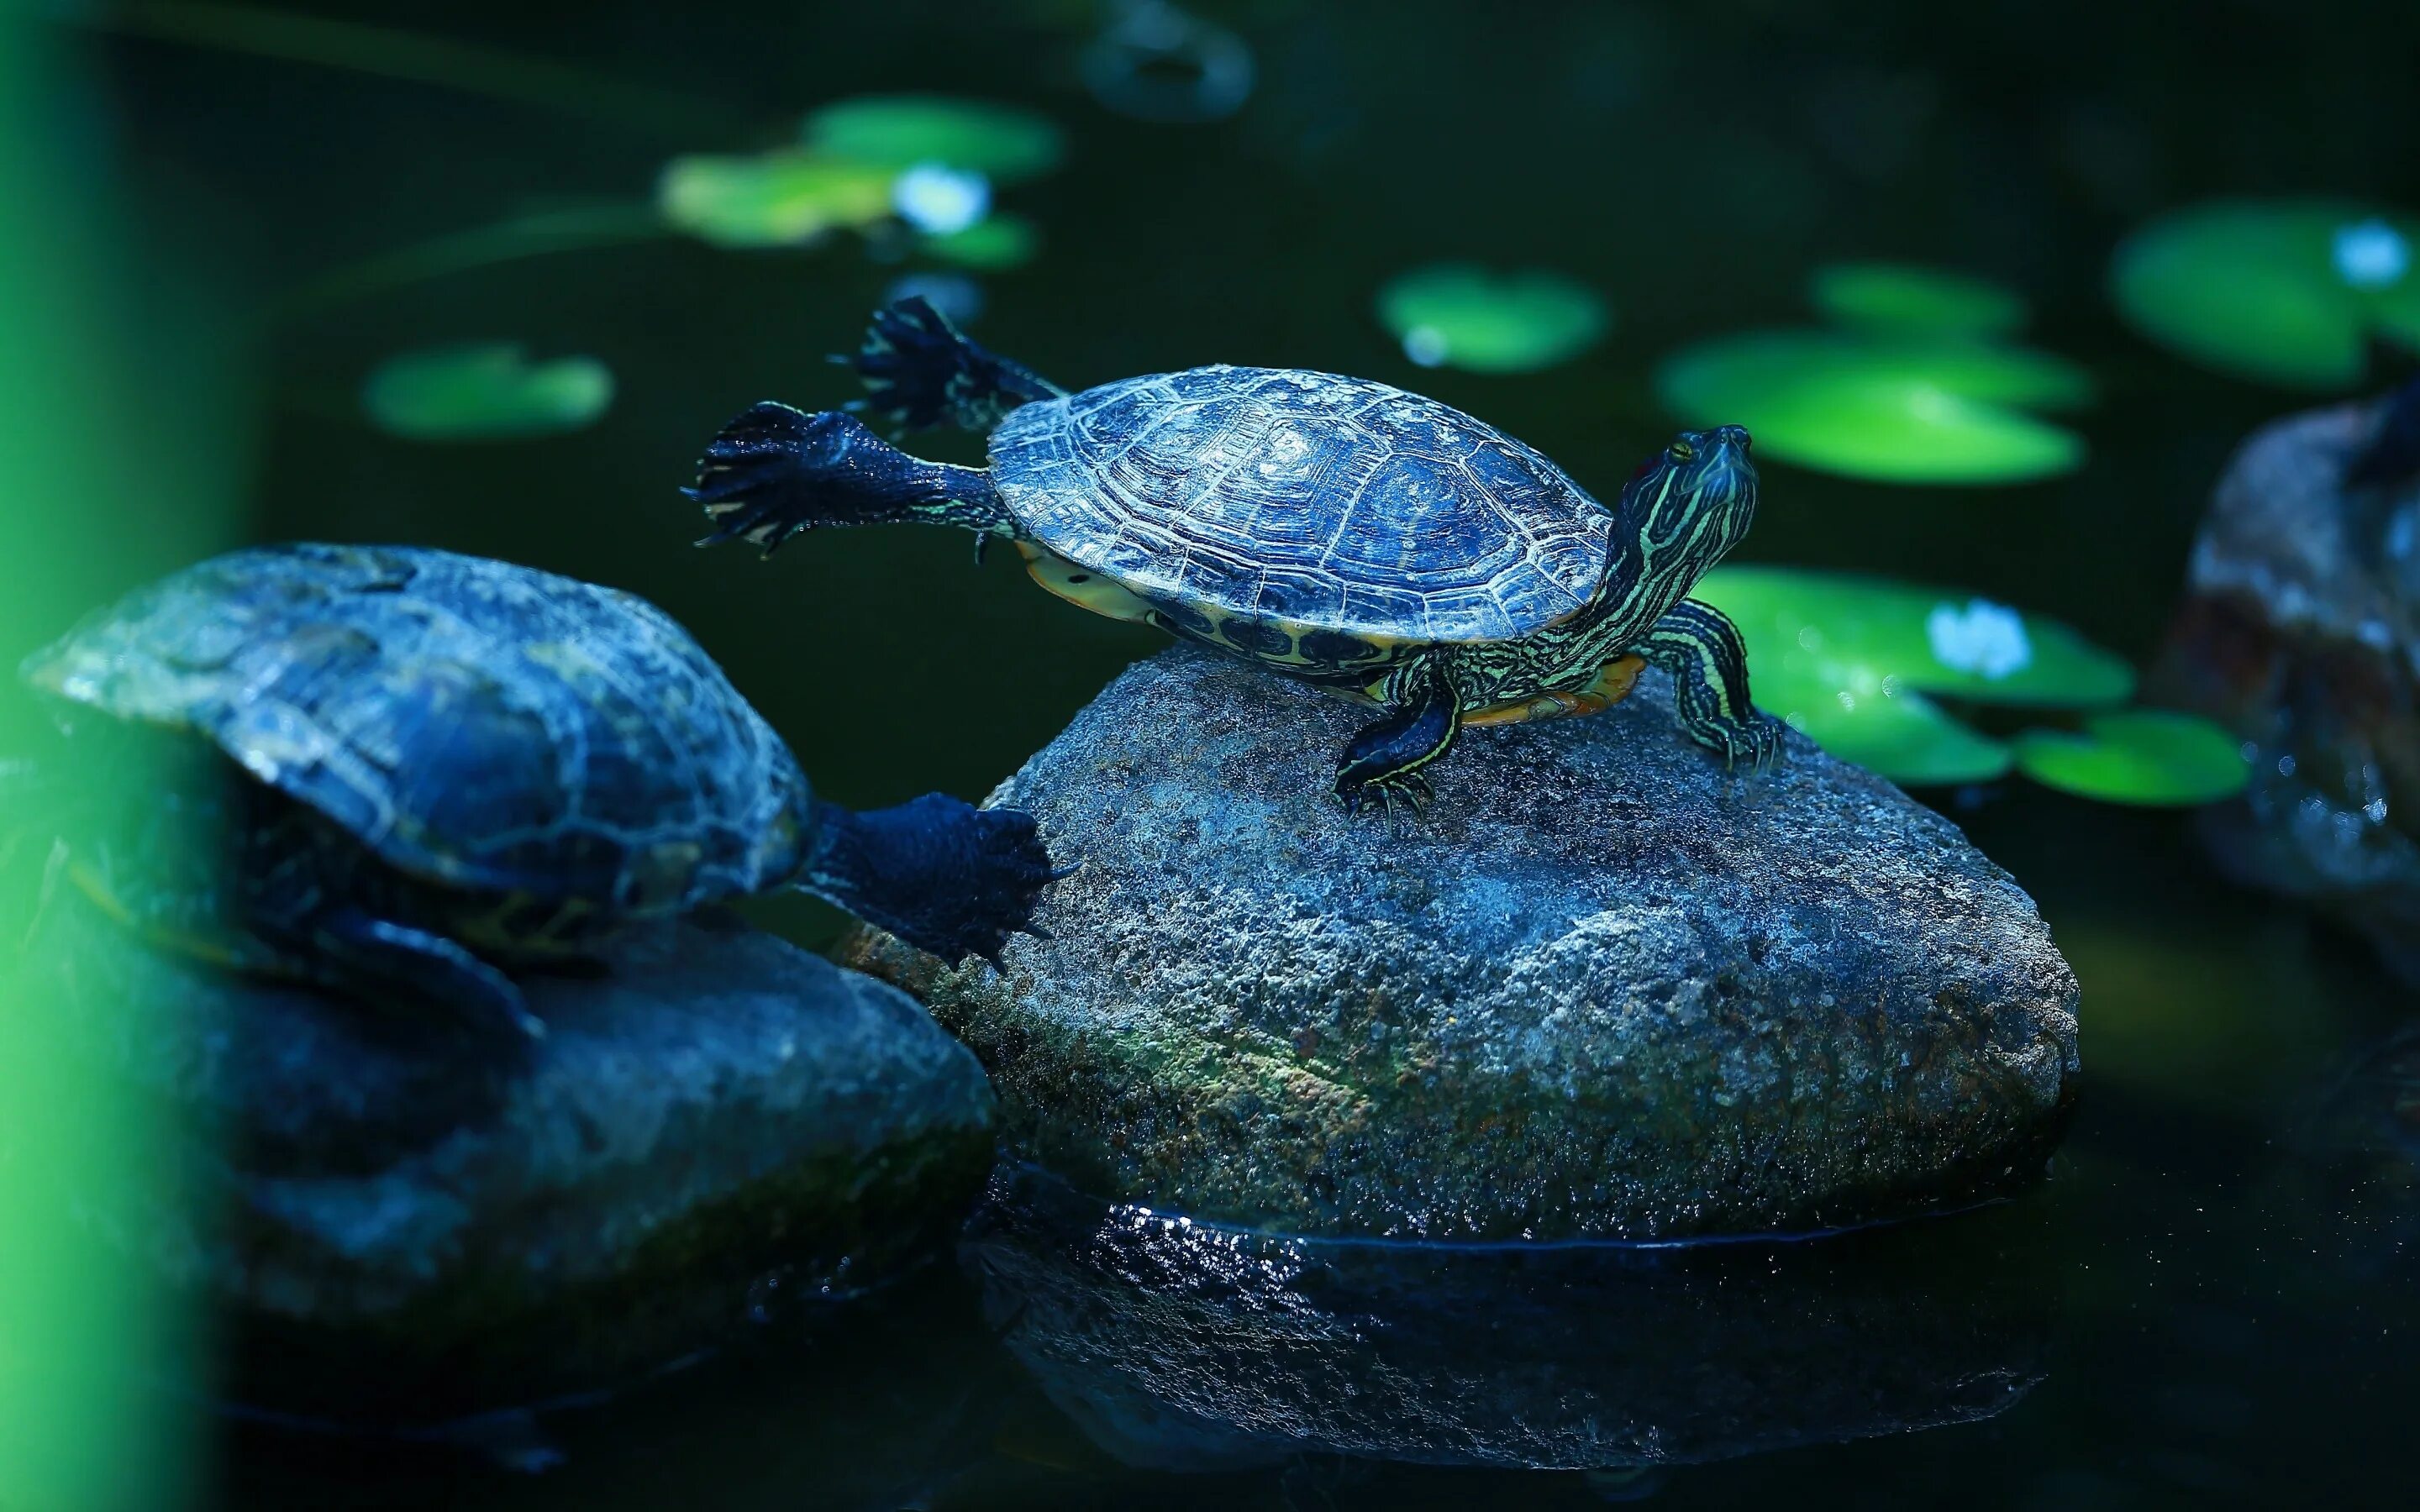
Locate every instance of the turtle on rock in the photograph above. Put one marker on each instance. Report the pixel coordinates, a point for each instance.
(398, 772)
(1368, 540)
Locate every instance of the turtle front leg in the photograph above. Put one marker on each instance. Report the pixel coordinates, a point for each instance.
(1423, 714)
(1708, 663)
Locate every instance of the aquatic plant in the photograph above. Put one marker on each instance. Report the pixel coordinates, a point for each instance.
(925, 162)
(1860, 664)
(1910, 387)
(1460, 316)
(1005, 145)
(484, 390)
(2147, 756)
(1903, 298)
(2287, 291)
(772, 199)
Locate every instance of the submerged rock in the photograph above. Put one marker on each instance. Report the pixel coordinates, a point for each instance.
(403, 1223)
(2301, 632)
(1177, 1346)
(1599, 990)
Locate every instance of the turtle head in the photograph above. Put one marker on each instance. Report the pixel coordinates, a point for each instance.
(1691, 503)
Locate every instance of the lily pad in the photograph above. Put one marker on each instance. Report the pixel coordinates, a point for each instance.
(1904, 300)
(1005, 144)
(778, 198)
(1896, 409)
(994, 242)
(485, 392)
(1459, 315)
(2139, 756)
(1935, 639)
(1879, 722)
(2287, 291)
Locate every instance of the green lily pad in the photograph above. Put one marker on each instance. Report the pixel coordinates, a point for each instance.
(1876, 721)
(1935, 640)
(994, 242)
(772, 199)
(2287, 291)
(1901, 299)
(1851, 661)
(1005, 144)
(1893, 409)
(1459, 315)
(484, 392)
(2139, 756)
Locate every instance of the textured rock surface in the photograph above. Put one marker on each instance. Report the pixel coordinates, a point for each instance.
(1182, 1348)
(2298, 631)
(1600, 990)
(400, 1223)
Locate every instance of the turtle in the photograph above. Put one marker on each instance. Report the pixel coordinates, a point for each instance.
(1369, 540)
(399, 772)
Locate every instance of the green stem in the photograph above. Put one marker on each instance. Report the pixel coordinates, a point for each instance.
(537, 234)
(407, 56)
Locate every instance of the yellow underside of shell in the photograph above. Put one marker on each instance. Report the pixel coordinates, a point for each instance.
(1088, 590)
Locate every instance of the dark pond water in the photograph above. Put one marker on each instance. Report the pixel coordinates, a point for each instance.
(2213, 1298)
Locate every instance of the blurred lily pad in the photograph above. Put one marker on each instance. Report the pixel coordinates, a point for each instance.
(1891, 408)
(1933, 638)
(777, 198)
(1005, 144)
(1902, 299)
(484, 392)
(2288, 291)
(2139, 756)
(1849, 660)
(1879, 722)
(1459, 315)
(994, 242)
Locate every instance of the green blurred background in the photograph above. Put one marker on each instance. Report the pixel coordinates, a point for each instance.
(219, 223)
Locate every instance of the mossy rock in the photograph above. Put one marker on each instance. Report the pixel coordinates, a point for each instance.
(1602, 989)
(397, 1223)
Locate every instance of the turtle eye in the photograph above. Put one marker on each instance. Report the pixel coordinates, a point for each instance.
(1681, 451)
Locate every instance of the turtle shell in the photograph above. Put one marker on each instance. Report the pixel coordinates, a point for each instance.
(474, 723)
(1333, 503)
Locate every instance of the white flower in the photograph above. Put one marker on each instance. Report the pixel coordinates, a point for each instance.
(1984, 638)
(937, 199)
(2371, 254)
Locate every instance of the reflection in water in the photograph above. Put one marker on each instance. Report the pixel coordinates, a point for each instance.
(1181, 1346)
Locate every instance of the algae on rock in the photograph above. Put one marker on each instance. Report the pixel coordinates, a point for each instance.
(401, 1223)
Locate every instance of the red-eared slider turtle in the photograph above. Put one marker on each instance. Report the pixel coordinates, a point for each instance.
(1337, 530)
(392, 770)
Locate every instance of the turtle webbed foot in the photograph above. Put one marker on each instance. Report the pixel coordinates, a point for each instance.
(1752, 744)
(1409, 789)
(945, 876)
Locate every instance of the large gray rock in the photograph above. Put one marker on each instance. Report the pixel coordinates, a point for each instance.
(1600, 990)
(2301, 631)
(402, 1223)
(1180, 1347)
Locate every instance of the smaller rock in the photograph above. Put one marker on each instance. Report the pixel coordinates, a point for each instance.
(2301, 632)
(404, 1224)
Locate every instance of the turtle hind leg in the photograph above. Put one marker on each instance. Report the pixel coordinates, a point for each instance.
(1423, 715)
(918, 371)
(379, 959)
(1708, 663)
(943, 875)
(775, 471)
